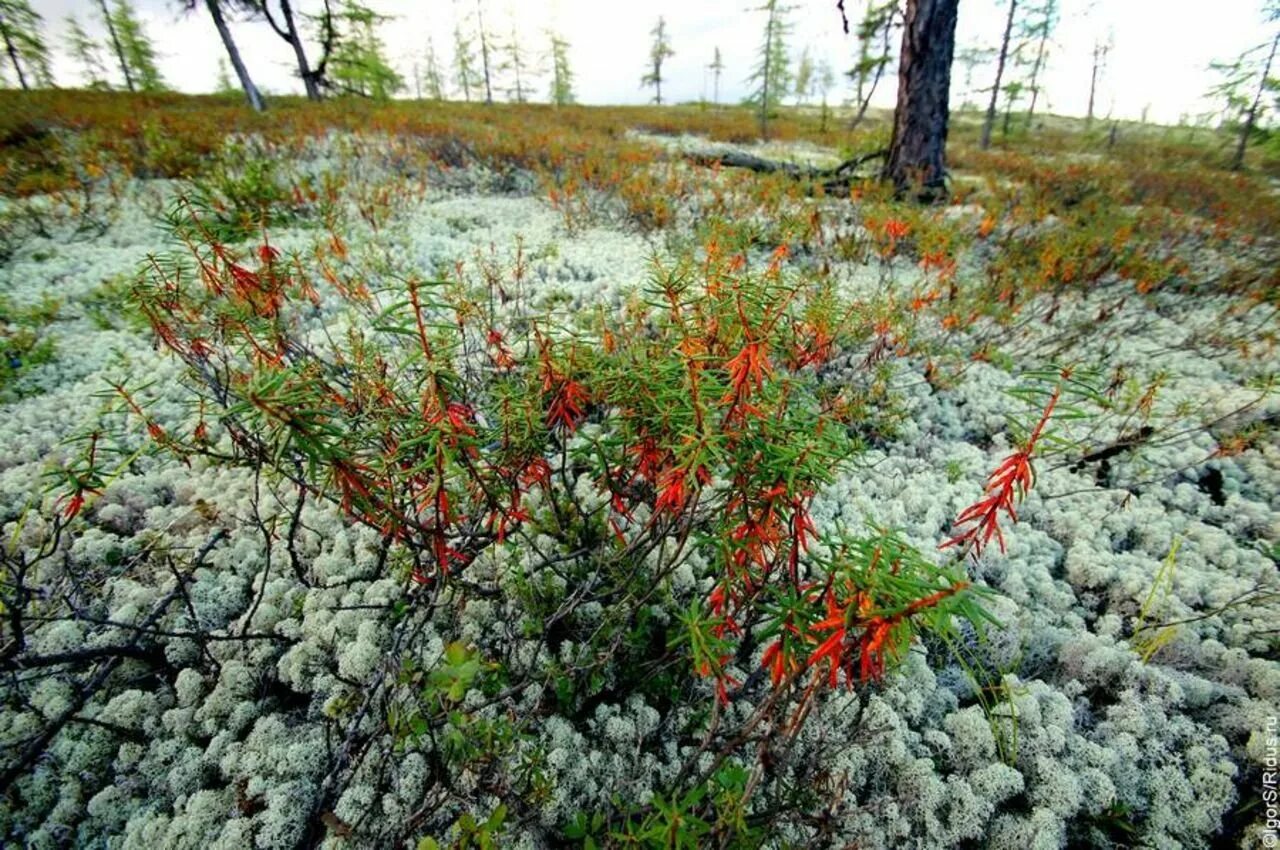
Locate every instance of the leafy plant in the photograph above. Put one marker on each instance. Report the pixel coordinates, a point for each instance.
(455, 675)
(480, 835)
(23, 340)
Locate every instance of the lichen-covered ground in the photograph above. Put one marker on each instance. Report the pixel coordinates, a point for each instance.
(230, 723)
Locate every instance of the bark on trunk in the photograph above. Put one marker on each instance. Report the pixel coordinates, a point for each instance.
(115, 43)
(990, 121)
(1237, 161)
(251, 93)
(300, 54)
(917, 150)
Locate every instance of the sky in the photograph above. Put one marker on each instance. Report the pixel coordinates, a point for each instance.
(1161, 48)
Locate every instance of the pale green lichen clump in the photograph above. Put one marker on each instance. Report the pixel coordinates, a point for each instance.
(234, 744)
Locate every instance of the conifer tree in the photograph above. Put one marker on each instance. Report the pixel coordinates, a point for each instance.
(771, 75)
(659, 53)
(1001, 60)
(24, 44)
(1100, 51)
(138, 54)
(1044, 18)
(88, 55)
(1100, 63)
(485, 66)
(716, 68)
(359, 64)
(516, 64)
(432, 83)
(223, 83)
(465, 76)
(824, 79)
(1013, 91)
(970, 58)
(561, 92)
(116, 45)
(803, 83)
(875, 53)
(1245, 81)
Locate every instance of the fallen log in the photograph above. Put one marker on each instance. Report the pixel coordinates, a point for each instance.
(839, 177)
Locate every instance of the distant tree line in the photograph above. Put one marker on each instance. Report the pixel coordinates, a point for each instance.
(338, 50)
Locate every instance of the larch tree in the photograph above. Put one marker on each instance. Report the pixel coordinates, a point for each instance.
(659, 52)
(875, 53)
(989, 121)
(138, 54)
(771, 74)
(116, 45)
(716, 68)
(802, 86)
(465, 75)
(916, 161)
(223, 83)
(218, 13)
(516, 65)
(824, 79)
(24, 44)
(1245, 82)
(561, 93)
(1043, 20)
(1100, 51)
(359, 64)
(971, 58)
(486, 66)
(87, 53)
(1013, 92)
(432, 80)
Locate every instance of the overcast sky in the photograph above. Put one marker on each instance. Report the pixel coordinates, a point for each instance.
(1161, 47)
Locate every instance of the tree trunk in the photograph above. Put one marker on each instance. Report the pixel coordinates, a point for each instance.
(115, 43)
(1098, 53)
(990, 121)
(308, 76)
(251, 93)
(1035, 76)
(1237, 161)
(768, 62)
(917, 149)
(515, 64)
(484, 54)
(13, 55)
